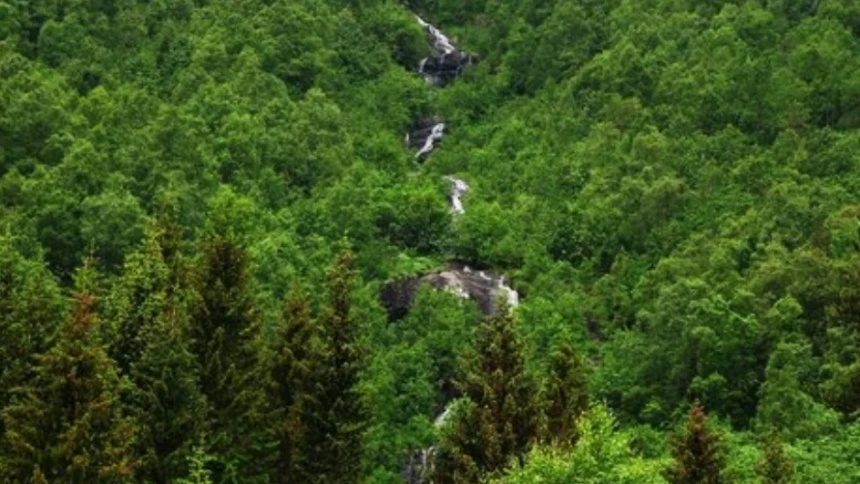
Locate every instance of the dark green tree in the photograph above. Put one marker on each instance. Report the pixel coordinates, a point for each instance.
(295, 393)
(139, 300)
(698, 455)
(334, 447)
(31, 308)
(226, 342)
(166, 398)
(566, 394)
(67, 424)
(500, 419)
(774, 467)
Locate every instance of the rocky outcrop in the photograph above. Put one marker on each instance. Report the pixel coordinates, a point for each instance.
(485, 287)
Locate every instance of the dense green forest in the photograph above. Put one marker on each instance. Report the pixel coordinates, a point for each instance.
(202, 201)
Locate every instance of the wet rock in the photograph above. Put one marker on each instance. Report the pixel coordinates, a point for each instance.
(447, 61)
(425, 135)
(485, 287)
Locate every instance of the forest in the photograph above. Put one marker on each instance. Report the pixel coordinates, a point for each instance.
(430, 241)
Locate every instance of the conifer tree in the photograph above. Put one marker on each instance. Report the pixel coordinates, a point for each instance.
(66, 425)
(566, 395)
(500, 420)
(333, 448)
(295, 374)
(698, 457)
(139, 300)
(774, 466)
(226, 344)
(31, 309)
(167, 401)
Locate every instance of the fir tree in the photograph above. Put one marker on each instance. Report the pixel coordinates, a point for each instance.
(66, 425)
(226, 344)
(31, 308)
(138, 302)
(774, 466)
(333, 448)
(295, 374)
(698, 458)
(167, 400)
(566, 395)
(500, 421)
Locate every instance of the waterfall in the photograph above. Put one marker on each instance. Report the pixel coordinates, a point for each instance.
(436, 134)
(458, 190)
(441, 43)
(487, 288)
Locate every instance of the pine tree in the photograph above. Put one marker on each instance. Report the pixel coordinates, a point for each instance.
(151, 347)
(139, 300)
(333, 448)
(698, 458)
(500, 420)
(566, 395)
(295, 373)
(167, 400)
(774, 466)
(66, 425)
(227, 346)
(31, 309)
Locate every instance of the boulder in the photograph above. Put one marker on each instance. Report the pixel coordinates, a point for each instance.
(485, 287)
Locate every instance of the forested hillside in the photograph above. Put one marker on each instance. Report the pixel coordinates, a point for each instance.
(321, 241)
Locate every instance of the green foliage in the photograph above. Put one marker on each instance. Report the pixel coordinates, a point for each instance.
(698, 456)
(602, 454)
(67, 422)
(225, 342)
(566, 394)
(774, 466)
(670, 185)
(500, 419)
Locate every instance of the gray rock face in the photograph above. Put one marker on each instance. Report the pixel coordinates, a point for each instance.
(485, 287)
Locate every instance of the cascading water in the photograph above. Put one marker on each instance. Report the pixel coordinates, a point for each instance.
(487, 288)
(458, 191)
(436, 133)
(441, 43)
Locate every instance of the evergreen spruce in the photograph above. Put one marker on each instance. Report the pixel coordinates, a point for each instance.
(566, 395)
(334, 447)
(139, 301)
(698, 458)
(295, 374)
(500, 420)
(774, 466)
(66, 424)
(226, 344)
(31, 309)
(167, 400)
